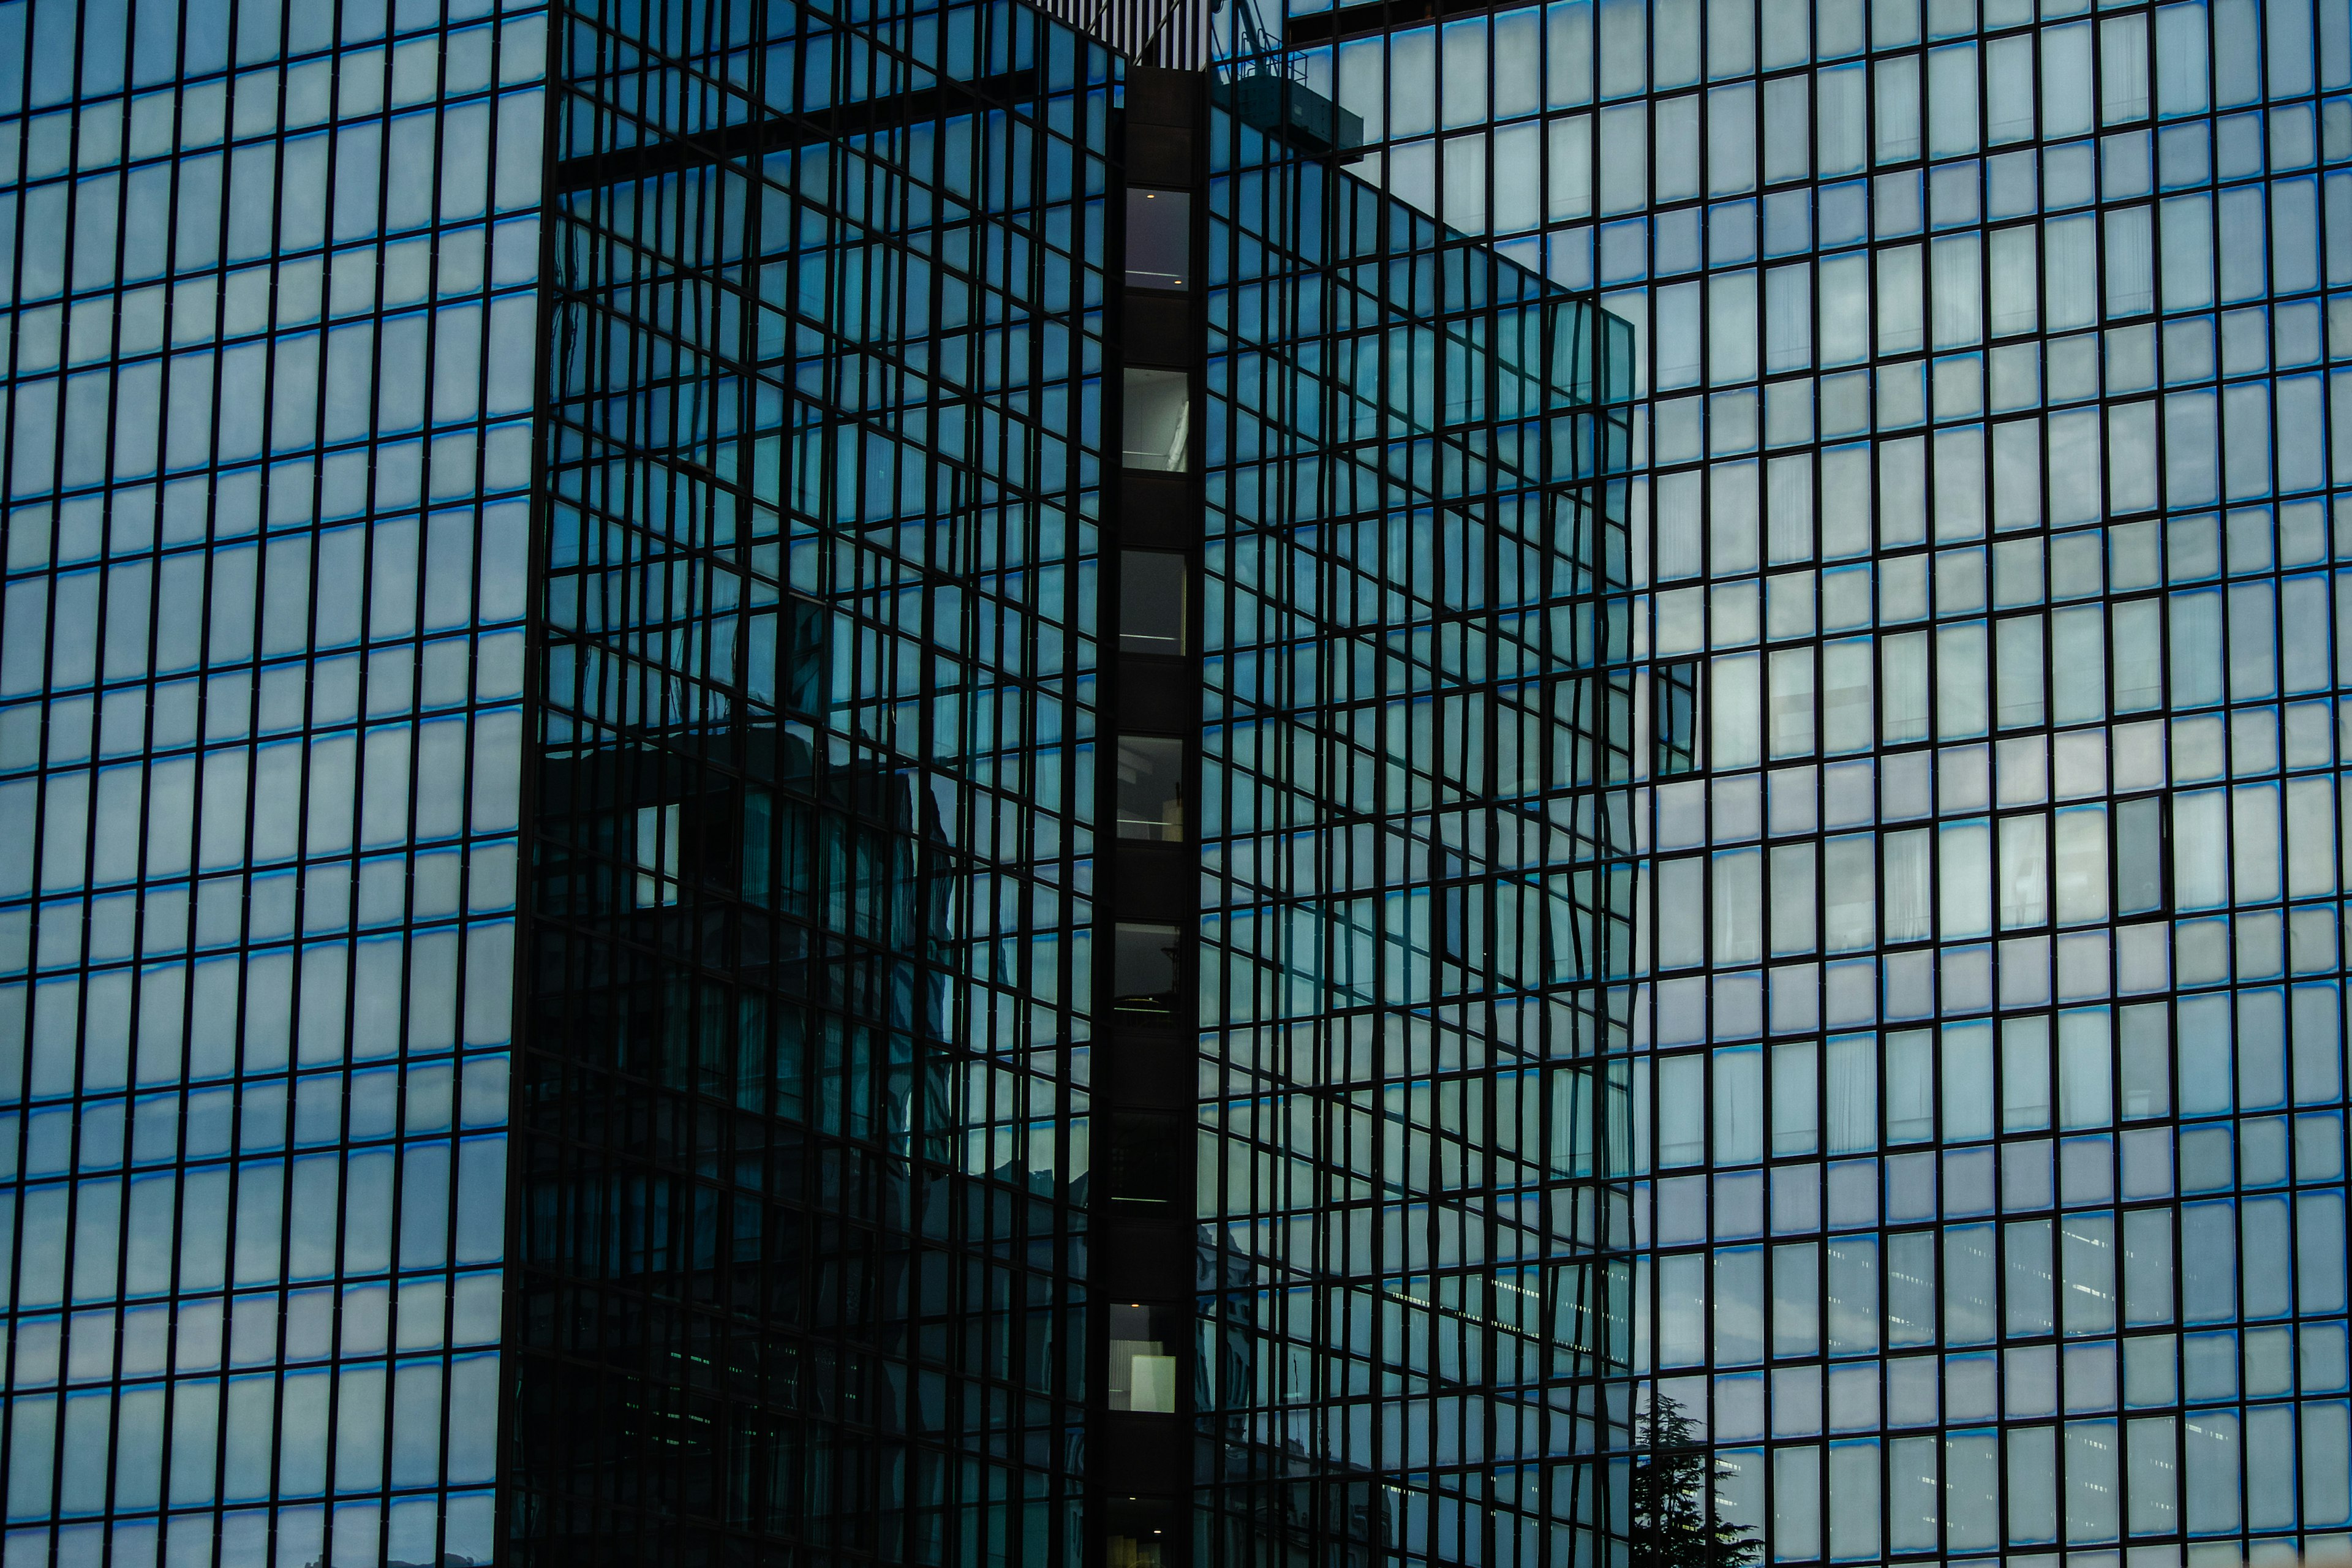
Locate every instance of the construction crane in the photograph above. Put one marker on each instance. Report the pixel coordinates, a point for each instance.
(1254, 49)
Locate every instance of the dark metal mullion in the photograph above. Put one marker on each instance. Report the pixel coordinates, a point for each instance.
(169, 286)
(376, 249)
(367, 661)
(233, 1165)
(471, 713)
(68, 1243)
(425, 639)
(156, 553)
(37, 829)
(236, 1163)
(270, 342)
(332, 1459)
(69, 1249)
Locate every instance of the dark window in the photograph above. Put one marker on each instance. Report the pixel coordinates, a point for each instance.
(1158, 239)
(1139, 1532)
(1677, 718)
(1143, 968)
(1453, 911)
(1158, 421)
(1150, 788)
(1148, 1162)
(1146, 1349)
(1154, 591)
(804, 681)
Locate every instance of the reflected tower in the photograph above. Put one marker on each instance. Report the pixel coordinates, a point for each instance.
(786, 785)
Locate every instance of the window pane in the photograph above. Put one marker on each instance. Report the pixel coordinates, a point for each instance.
(1143, 1352)
(1139, 1532)
(1148, 1161)
(1151, 788)
(1154, 588)
(1143, 968)
(1677, 719)
(1158, 420)
(1158, 239)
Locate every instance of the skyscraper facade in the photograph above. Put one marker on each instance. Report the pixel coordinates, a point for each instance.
(1990, 1095)
(789, 786)
(273, 317)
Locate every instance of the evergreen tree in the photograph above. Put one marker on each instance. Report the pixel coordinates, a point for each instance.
(1673, 1477)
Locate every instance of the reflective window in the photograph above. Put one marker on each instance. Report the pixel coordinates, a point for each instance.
(1676, 688)
(658, 854)
(822, 740)
(272, 384)
(1417, 917)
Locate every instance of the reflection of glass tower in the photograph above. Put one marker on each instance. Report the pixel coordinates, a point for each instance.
(824, 1104)
(1397, 1031)
(790, 784)
(821, 472)
(1989, 1104)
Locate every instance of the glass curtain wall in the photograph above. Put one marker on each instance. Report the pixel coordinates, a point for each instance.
(1991, 1093)
(1415, 813)
(808, 1152)
(269, 322)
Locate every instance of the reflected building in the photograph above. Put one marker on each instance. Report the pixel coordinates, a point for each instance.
(791, 786)
(807, 1257)
(787, 784)
(1410, 1024)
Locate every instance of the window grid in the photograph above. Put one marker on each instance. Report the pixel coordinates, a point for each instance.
(1990, 430)
(259, 741)
(1413, 767)
(815, 803)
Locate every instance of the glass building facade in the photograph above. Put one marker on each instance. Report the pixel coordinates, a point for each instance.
(1989, 1083)
(772, 780)
(272, 315)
